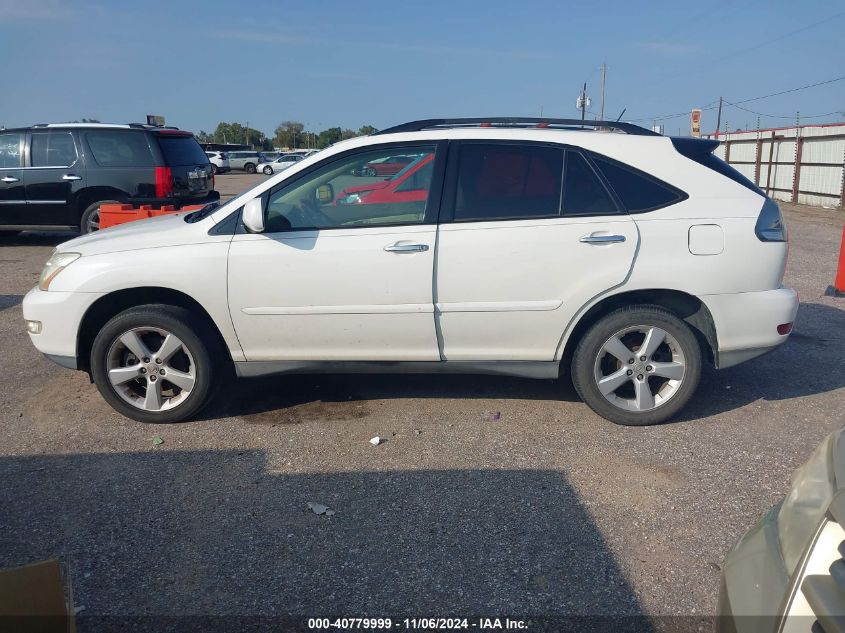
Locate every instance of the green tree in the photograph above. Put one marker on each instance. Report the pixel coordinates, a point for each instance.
(238, 133)
(366, 130)
(289, 134)
(329, 137)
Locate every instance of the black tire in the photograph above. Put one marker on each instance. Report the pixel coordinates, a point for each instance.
(89, 221)
(193, 334)
(590, 354)
(213, 169)
(249, 168)
(268, 170)
(370, 172)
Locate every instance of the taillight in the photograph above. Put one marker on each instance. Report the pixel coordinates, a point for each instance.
(770, 226)
(164, 182)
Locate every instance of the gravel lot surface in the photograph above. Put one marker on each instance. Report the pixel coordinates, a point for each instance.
(546, 510)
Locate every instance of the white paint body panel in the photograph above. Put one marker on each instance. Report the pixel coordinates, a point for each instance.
(333, 295)
(507, 290)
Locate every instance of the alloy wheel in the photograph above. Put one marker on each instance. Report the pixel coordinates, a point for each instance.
(640, 368)
(151, 369)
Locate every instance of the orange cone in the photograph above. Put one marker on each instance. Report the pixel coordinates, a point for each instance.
(838, 287)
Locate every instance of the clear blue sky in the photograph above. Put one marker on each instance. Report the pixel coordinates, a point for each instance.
(358, 62)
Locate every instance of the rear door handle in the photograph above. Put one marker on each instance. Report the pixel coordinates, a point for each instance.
(10, 179)
(71, 177)
(406, 248)
(602, 239)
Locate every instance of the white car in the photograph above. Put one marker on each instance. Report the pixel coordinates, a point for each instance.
(539, 248)
(281, 163)
(219, 162)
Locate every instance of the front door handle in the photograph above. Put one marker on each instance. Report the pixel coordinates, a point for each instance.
(602, 239)
(398, 247)
(10, 179)
(71, 177)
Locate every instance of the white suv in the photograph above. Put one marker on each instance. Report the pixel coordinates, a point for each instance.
(523, 247)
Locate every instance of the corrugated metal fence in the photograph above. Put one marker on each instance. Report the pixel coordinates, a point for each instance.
(803, 164)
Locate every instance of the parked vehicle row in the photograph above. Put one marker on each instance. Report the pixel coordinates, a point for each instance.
(611, 256)
(219, 162)
(56, 176)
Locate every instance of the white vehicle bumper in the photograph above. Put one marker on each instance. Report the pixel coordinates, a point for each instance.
(747, 323)
(59, 315)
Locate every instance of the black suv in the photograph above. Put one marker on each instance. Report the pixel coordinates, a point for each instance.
(56, 176)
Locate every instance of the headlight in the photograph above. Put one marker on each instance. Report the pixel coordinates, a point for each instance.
(813, 487)
(56, 264)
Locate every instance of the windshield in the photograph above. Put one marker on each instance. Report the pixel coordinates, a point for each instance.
(407, 167)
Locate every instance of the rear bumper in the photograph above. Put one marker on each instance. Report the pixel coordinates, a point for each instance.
(177, 202)
(747, 323)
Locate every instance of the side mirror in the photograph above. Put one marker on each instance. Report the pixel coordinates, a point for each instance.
(325, 194)
(253, 215)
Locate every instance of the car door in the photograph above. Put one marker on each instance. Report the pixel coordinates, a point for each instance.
(529, 234)
(12, 196)
(54, 175)
(334, 281)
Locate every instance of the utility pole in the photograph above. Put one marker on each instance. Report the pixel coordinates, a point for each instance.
(603, 79)
(719, 118)
(584, 101)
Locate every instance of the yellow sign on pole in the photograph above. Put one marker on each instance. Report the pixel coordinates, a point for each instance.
(695, 121)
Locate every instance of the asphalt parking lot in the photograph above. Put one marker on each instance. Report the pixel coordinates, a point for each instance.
(490, 496)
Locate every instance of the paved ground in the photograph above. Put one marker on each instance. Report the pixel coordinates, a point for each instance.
(547, 510)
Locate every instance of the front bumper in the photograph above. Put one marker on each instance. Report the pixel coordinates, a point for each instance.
(60, 315)
(747, 322)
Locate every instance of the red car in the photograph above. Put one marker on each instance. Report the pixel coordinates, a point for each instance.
(408, 185)
(386, 166)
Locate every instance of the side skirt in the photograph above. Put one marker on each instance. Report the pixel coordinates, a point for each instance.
(523, 369)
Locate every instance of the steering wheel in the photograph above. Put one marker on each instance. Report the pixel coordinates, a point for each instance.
(306, 213)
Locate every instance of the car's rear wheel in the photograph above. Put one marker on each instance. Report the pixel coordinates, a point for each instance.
(90, 219)
(268, 170)
(213, 168)
(370, 172)
(249, 168)
(638, 365)
(154, 364)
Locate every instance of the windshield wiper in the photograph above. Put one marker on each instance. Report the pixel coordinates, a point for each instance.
(200, 214)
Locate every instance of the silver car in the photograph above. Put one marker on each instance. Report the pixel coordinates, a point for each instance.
(787, 574)
(245, 160)
(280, 164)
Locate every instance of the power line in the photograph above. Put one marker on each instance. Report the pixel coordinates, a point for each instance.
(784, 116)
(783, 92)
(710, 106)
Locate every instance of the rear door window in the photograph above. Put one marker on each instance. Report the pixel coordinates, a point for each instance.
(583, 192)
(508, 182)
(10, 150)
(120, 149)
(181, 150)
(52, 149)
(637, 191)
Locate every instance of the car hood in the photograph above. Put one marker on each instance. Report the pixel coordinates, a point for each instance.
(373, 186)
(165, 230)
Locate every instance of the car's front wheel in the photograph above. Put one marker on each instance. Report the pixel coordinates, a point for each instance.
(268, 170)
(638, 365)
(153, 363)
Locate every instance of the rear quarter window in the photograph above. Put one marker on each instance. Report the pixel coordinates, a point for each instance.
(181, 150)
(637, 191)
(120, 149)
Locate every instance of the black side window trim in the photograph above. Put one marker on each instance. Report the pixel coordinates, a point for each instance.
(450, 188)
(679, 193)
(432, 209)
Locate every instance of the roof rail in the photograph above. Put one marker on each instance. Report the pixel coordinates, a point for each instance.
(518, 122)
